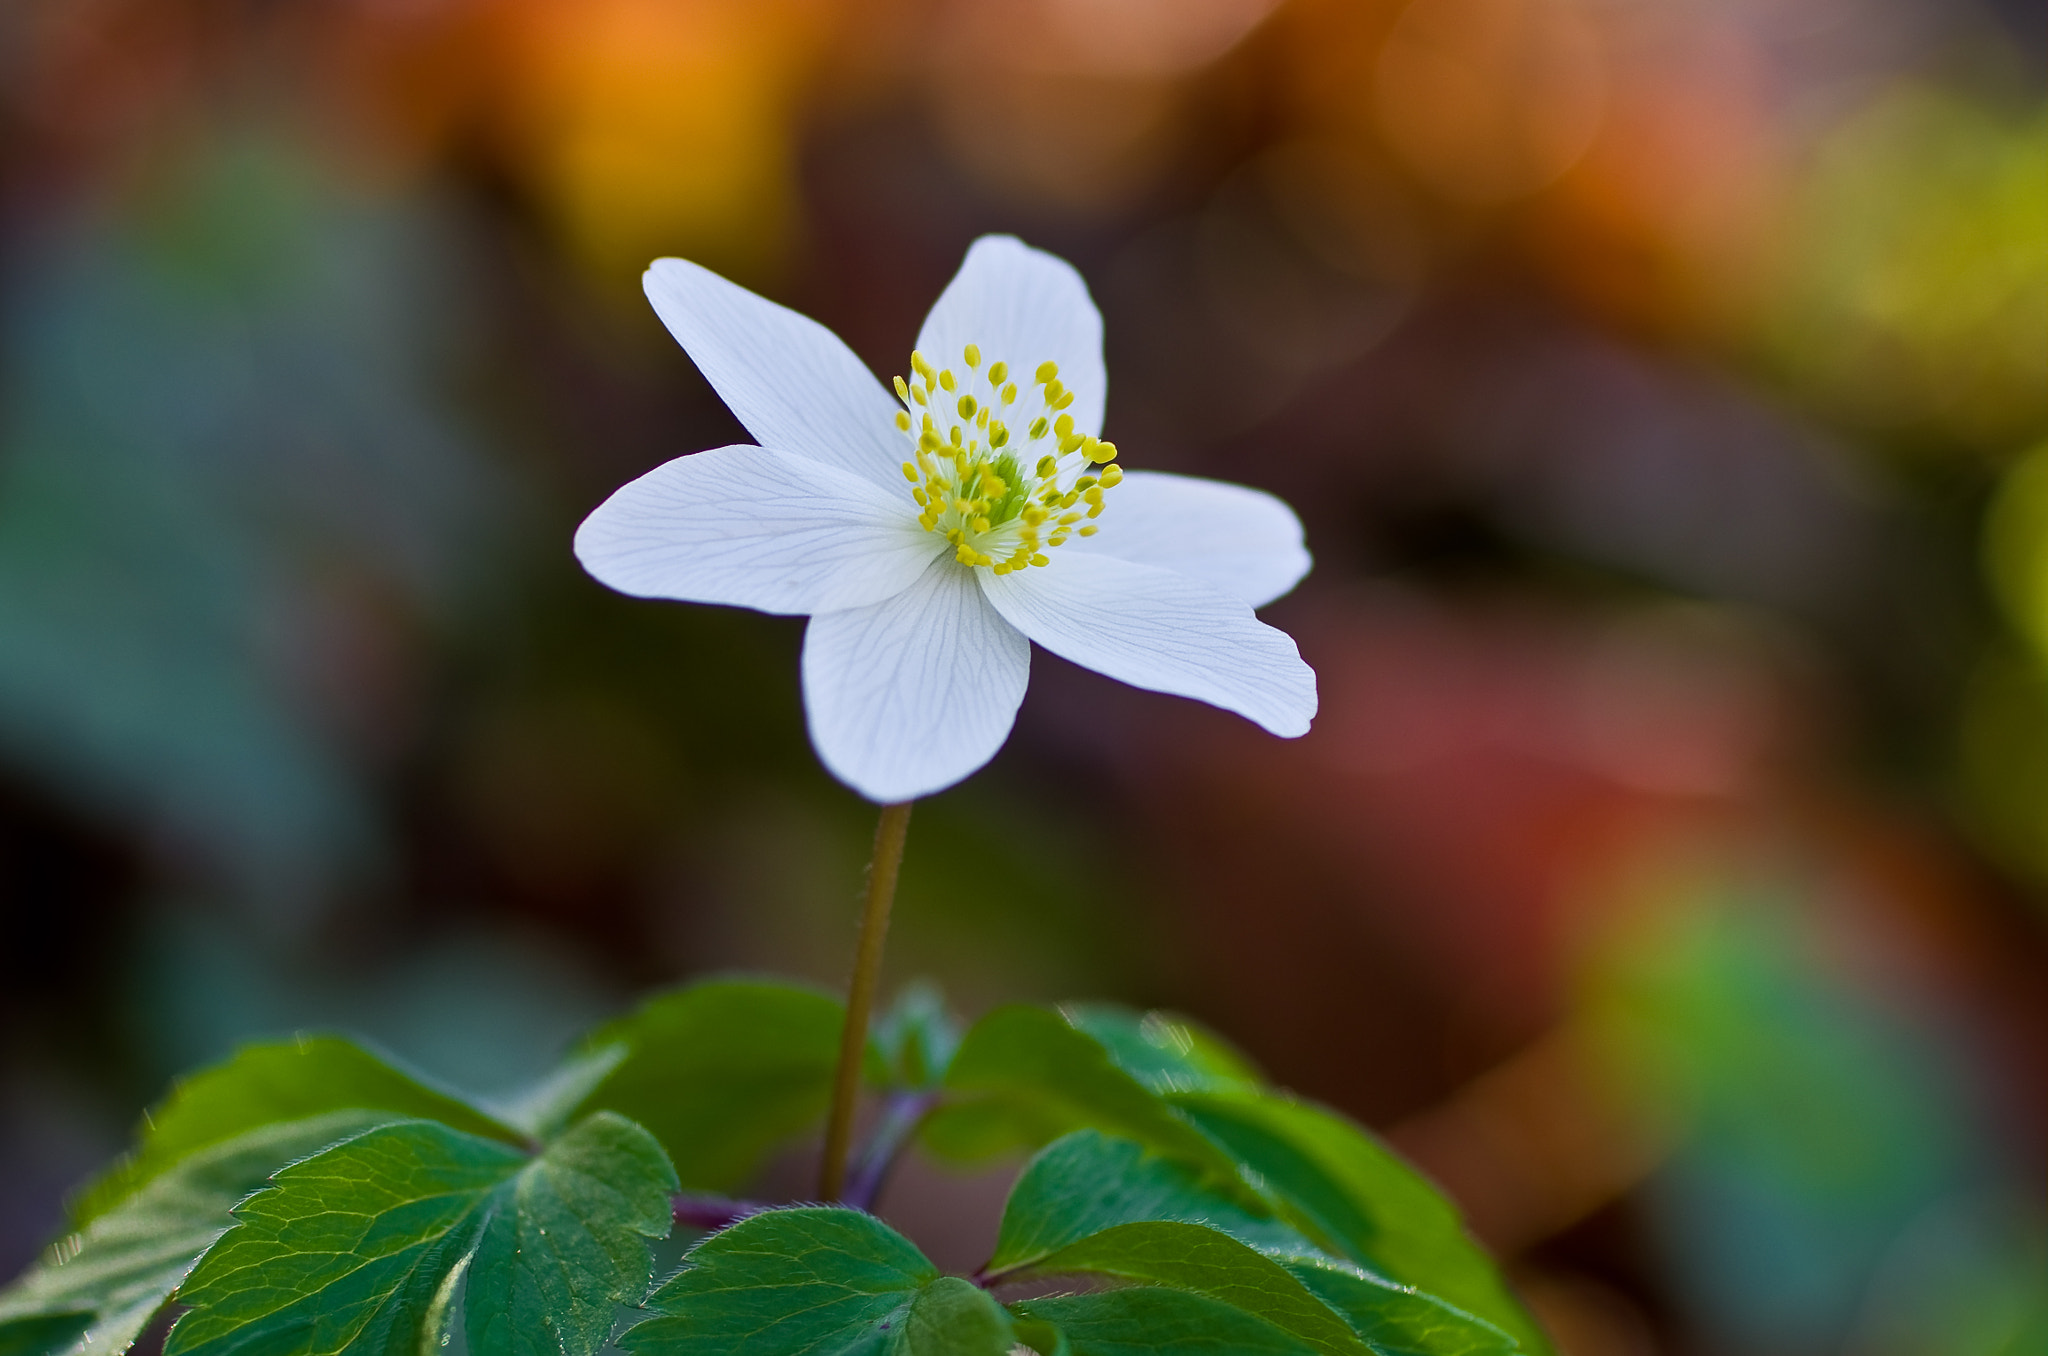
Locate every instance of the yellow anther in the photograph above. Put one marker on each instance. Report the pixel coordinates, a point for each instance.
(929, 441)
(902, 391)
(1112, 476)
(1095, 509)
(997, 434)
(966, 407)
(980, 525)
(910, 471)
(1088, 530)
(922, 366)
(903, 420)
(1059, 539)
(1064, 425)
(1047, 466)
(1053, 391)
(981, 418)
(1085, 483)
(1093, 494)
(1069, 443)
(956, 437)
(1040, 560)
(1038, 427)
(998, 373)
(1033, 516)
(919, 496)
(917, 394)
(1047, 371)
(1102, 452)
(1010, 394)
(1069, 519)
(1063, 401)
(946, 380)
(973, 355)
(1002, 567)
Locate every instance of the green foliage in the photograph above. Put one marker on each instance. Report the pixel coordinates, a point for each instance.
(361, 1248)
(1354, 1197)
(918, 1036)
(97, 1289)
(818, 1279)
(723, 1071)
(1208, 1212)
(1087, 1181)
(1208, 1262)
(1395, 1320)
(285, 1081)
(1165, 1053)
(1024, 1076)
(1154, 1321)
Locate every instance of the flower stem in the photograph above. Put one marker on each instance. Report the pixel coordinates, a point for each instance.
(890, 831)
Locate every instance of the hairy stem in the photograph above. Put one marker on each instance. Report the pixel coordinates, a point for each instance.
(890, 831)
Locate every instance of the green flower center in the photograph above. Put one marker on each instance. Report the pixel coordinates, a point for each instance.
(1001, 496)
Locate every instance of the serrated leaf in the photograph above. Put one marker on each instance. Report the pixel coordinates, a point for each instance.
(723, 1071)
(820, 1280)
(359, 1249)
(279, 1081)
(1085, 1182)
(1165, 1052)
(1154, 1321)
(1023, 1077)
(1209, 1262)
(1360, 1201)
(1397, 1320)
(109, 1279)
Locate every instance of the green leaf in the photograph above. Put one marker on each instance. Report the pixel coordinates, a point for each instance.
(1153, 1321)
(1209, 1262)
(1396, 1320)
(918, 1036)
(106, 1281)
(283, 1081)
(1358, 1200)
(1041, 1336)
(361, 1249)
(1166, 1053)
(1023, 1077)
(36, 1334)
(571, 1243)
(817, 1279)
(1086, 1182)
(723, 1071)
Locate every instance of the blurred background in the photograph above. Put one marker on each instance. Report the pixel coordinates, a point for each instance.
(1664, 384)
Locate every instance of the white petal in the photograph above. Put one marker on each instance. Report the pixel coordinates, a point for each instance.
(911, 695)
(794, 384)
(1162, 631)
(1022, 306)
(755, 528)
(1244, 541)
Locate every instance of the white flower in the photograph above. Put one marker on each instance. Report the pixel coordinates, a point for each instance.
(933, 534)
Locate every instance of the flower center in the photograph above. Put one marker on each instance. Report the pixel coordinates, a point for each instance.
(1003, 497)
